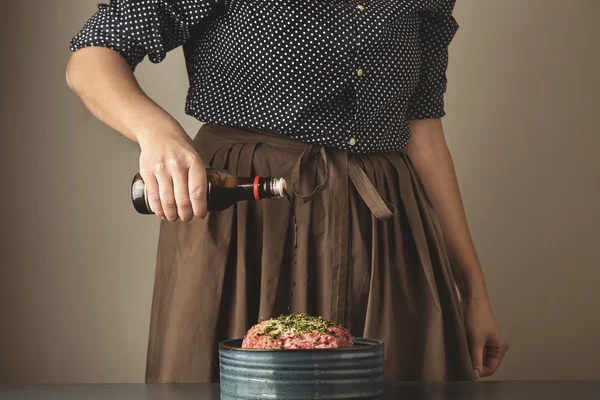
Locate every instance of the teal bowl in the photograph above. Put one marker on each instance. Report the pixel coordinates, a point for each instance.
(351, 373)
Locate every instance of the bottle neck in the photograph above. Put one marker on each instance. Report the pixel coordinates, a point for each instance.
(260, 188)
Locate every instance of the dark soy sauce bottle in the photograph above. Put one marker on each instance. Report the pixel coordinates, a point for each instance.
(224, 190)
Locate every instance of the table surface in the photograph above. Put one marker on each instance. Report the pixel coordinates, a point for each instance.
(492, 390)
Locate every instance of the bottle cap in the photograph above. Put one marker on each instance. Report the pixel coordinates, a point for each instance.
(139, 195)
(280, 187)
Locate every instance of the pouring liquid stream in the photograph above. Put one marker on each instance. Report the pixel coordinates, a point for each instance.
(289, 198)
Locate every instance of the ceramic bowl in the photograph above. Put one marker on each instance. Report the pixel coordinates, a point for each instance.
(350, 373)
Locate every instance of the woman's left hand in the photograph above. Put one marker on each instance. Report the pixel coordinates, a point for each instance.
(487, 343)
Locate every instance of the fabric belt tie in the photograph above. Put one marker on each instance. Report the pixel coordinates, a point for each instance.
(379, 207)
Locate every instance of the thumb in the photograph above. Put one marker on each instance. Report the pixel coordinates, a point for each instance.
(476, 351)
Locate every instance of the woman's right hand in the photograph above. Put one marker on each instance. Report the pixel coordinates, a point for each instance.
(174, 174)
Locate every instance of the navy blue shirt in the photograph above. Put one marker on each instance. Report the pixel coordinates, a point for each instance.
(341, 73)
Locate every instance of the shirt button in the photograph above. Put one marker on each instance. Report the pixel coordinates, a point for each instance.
(352, 142)
(360, 72)
(361, 7)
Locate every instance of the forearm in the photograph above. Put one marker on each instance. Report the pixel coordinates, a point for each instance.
(108, 88)
(432, 159)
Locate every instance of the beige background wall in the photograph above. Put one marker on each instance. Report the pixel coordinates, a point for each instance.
(77, 263)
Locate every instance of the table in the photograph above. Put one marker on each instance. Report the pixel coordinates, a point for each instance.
(527, 390)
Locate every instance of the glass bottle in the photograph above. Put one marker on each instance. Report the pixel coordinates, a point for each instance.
(224, 190)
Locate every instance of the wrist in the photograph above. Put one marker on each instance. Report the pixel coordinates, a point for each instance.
(159, 131)
(475, 292)
(477, 298)
(473, 288)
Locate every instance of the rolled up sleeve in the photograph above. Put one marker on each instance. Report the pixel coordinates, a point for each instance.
(139, 28)
(438, 28)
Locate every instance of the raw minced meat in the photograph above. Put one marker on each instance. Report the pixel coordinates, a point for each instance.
(297, 331)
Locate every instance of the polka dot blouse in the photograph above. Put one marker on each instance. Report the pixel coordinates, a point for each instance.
(347, 74)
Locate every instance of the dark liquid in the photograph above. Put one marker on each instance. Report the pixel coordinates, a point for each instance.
(289, 198)
(221, 198)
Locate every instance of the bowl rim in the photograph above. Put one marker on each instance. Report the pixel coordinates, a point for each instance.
(370, 344)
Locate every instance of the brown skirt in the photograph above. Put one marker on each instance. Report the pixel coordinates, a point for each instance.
(377, 266)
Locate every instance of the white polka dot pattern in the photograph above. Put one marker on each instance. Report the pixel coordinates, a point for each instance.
(342, 73)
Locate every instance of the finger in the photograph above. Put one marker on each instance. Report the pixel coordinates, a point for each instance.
(182, 196)
(152, 194)
(198, 189)
(167, 198)
(476, 351)
(493, 359)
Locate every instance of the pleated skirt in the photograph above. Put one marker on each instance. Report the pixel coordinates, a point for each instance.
(370, 255)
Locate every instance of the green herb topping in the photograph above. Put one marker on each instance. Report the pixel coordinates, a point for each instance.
(298, 324)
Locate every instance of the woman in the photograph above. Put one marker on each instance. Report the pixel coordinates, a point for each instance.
(344, 100)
